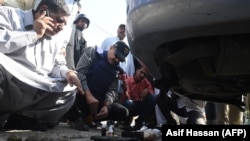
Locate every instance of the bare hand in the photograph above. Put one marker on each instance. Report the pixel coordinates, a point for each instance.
(72, 79)
(144, 93)
(42, 23)
(92, 102)
(103, 113)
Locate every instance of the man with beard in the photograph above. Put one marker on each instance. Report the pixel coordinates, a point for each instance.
(77, 42)
(138, 97)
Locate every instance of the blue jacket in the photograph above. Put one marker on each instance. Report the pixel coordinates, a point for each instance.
(97, 75)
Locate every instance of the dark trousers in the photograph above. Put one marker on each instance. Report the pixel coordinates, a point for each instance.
(81, 108)
(168, 104)
(210, 110)
(143, 108)
(16, 97)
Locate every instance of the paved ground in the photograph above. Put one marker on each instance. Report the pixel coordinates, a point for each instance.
(60, 133)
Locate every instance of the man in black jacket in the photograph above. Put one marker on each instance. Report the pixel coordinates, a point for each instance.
(97, 70)
(77, 42)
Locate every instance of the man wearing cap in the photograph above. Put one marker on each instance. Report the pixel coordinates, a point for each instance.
(77, 42)
(34, 90)
(128, 65)
(97, 70)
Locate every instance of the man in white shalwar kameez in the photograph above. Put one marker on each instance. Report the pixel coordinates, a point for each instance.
(33, 76)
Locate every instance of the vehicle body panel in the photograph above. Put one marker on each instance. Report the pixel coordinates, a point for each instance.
(183, 34)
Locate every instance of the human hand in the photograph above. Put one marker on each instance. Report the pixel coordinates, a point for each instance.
(42, 23)
(73, 79)
(92, 102)
(127, 96)
(122, 76)
(144, 93)
(103, 113)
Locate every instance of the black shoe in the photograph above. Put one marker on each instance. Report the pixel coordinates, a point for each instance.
(127, 128)
(78, 124)
(110, 122)
(94, 124)
(126, 125)
(118, 123)
(52, 125)
(137, 126)
(19, 122)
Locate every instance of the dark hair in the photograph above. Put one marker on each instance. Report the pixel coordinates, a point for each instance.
(82, 16)
(54, 5)
(122, 26)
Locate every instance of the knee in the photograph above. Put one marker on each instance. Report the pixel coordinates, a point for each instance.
(195, 117)
(124, 112)
(128, 103)
(151, 99)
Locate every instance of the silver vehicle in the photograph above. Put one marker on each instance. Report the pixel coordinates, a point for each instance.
(200, 48)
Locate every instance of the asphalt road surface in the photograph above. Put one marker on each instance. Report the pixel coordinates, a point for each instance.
(62, 132)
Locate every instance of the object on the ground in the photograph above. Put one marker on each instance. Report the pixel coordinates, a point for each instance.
(150, 134)
(104, 130)
(110, 130)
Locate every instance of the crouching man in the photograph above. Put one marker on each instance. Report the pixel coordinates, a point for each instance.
(33, 76)
(97, 70)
